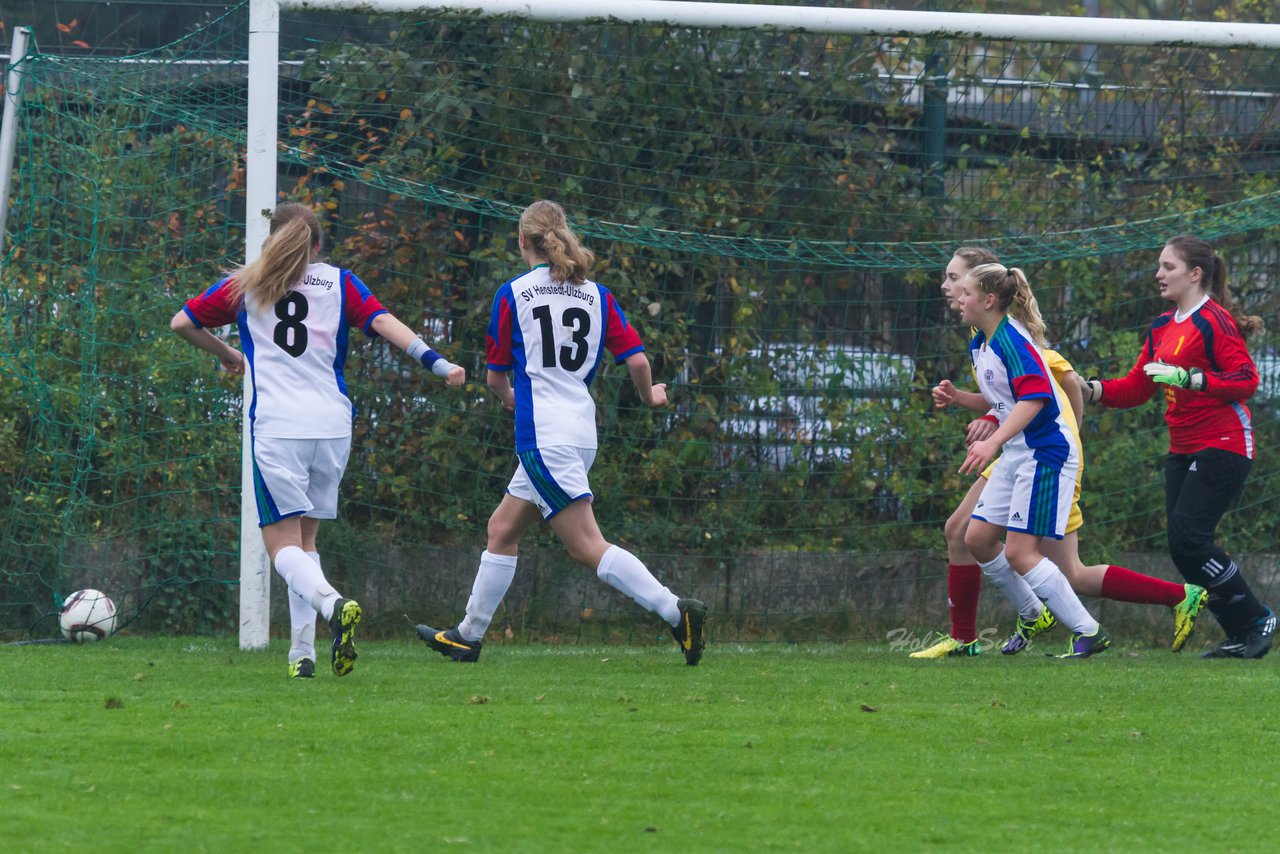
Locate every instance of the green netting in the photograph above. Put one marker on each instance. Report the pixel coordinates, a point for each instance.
(773, 211)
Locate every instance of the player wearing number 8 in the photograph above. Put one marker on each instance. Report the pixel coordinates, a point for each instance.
(547, 333)
(295, 315)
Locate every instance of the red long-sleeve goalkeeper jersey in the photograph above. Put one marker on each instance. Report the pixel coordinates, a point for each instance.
(1216, 417)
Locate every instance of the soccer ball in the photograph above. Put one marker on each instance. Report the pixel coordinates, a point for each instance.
(87, 615)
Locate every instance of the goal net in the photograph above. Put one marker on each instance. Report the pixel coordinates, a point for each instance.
(773, 210)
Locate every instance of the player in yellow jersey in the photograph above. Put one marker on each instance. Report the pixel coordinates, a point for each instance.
(964, 576)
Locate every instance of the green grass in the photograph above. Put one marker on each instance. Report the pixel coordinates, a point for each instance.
(161, 744)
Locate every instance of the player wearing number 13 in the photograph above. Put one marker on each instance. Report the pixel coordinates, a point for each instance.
(547, 334)
(295, 315)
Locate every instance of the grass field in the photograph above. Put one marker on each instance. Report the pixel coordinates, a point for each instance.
(162, 744)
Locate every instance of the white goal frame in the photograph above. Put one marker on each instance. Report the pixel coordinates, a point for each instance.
(263, 109)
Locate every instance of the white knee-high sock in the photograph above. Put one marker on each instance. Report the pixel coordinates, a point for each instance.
(1013, 586)
(1052, 586)
(302, 628)
(302, 623)
(493, 579)
(623, 571)
(304, 577)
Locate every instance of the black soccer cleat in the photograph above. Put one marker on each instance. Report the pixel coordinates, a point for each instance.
(303, 668)
(688, 632)
(1227, 648)
(449, 643)
(1254, 643)
(1257, 638)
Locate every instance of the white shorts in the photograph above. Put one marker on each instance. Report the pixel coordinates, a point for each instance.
(553, 478)
(1028, 497)
(293, 477)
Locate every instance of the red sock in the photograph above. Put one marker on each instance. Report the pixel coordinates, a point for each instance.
(1125, 585)
(964, 580)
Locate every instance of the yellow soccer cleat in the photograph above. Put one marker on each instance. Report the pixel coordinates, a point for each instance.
(947, 647)
(1026, 629)
(346, 614)
(1185, 613)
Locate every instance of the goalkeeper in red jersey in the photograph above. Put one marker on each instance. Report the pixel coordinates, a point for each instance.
(1196, 353)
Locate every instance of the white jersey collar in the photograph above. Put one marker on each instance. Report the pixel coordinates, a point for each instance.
(1178, 316)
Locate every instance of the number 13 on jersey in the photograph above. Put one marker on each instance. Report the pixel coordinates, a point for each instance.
(572, 355)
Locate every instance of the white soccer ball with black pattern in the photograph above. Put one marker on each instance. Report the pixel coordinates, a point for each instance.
(87, 616)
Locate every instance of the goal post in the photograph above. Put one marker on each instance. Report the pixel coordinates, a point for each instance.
(9, 127)
(260, 199)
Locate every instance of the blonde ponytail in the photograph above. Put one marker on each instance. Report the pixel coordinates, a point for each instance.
(1025, 309)
(547, 233)
(1013, 295)
(288, 249)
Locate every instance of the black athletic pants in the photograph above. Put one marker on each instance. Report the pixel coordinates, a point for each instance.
(1199, 488)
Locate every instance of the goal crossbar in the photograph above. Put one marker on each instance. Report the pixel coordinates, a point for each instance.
(835, 21)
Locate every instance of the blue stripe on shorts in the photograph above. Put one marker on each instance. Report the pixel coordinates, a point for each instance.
(268, 512)
(1044, 502)
(552, 493)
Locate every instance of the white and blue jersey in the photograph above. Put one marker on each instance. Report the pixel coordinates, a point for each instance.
(296, 350)
(1032, 486)
(551, 336)
(1010, 368)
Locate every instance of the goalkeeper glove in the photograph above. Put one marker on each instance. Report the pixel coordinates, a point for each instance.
(1188, 378)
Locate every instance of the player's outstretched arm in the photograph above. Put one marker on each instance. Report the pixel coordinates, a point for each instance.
(229, 357)
(389, 327)
(652, 394)
(1133, 389)
(946, 394)
(972, 401)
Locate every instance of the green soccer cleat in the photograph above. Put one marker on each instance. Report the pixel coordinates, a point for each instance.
(449, 643)
(303, 668)
(1026, 629)
(346, 614)
(949, 647)
(1083, 646)
(1185, 613)
(689, 631)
